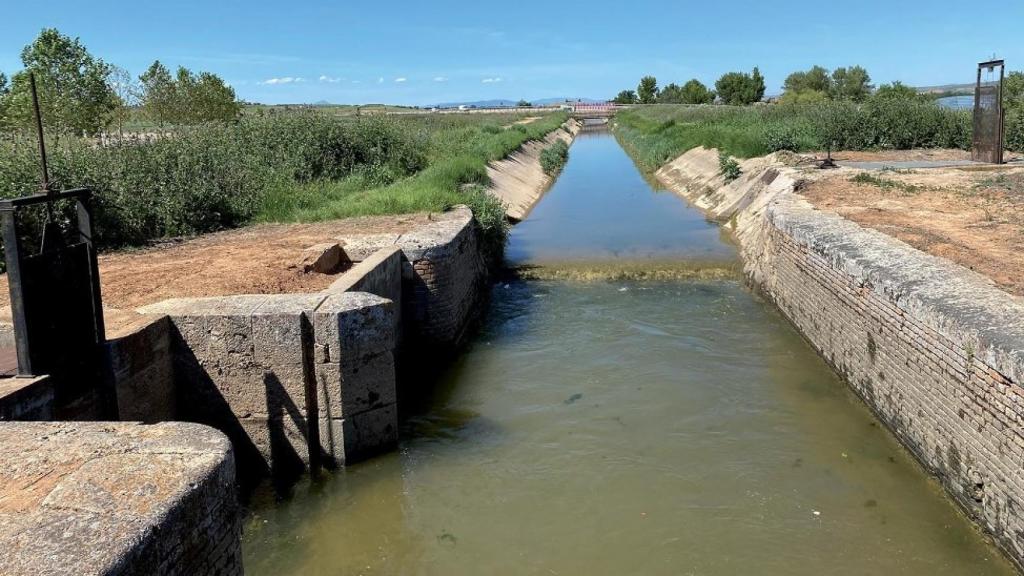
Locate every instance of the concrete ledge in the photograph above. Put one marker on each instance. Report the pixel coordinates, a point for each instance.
(26, 398)
(117, 498)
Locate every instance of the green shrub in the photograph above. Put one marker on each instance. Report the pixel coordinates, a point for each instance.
(777, 138)
(294, 166)
(554, 157)
(730, 169)
(656, 134)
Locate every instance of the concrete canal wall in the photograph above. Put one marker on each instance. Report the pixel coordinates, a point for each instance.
(936, 350)
(519, 181)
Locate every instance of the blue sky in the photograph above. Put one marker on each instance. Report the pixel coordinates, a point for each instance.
(440, 50)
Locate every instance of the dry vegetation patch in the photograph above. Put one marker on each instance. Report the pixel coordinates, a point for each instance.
(974, 218)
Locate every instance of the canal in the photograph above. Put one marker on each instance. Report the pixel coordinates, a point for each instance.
(626, 427)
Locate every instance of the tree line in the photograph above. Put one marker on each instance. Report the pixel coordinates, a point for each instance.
(82, 94)
(817, 84)
(735, 88)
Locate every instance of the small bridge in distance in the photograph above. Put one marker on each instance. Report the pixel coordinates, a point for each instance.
(583, 111)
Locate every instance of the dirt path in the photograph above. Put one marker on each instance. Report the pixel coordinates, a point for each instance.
(260, 259)
(974, 218)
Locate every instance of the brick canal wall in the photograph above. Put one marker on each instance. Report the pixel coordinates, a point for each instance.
(936, 350)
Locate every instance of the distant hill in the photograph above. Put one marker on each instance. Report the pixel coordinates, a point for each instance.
(499, 103)
(944, 88)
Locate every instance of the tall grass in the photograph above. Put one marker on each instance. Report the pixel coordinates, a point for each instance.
(298, 166)
(656, 134)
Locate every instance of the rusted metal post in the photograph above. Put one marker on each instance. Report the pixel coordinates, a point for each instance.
(44, 183)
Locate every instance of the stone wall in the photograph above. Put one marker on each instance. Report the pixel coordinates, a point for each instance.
(936, 350)
(278, 372)
(443, 281)
(102, 498)
(139, 369)
(443, 277)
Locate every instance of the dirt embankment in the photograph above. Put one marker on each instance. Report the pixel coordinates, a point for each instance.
(970, 215)
(260, 259)
(519, 181)
(975, 219)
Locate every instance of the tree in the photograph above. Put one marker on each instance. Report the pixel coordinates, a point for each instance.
(158, 93)
(695, 92)
(204, 98)
(898, 91)
(1013, 90)
(186, 98)
(757, 85)
(127, 92)
(524, 104)
(740, 88)
(625, 97)
(852, 83)
(5, 91)
(647, 91)
(816, 79)
(73, 90)
(671, 94)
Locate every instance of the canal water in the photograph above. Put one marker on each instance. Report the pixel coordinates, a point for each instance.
(626, 427)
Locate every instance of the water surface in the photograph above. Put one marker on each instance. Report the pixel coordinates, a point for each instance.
(662, 427)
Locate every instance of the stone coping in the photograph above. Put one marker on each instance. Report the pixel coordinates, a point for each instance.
(94, 497)
(958, 302)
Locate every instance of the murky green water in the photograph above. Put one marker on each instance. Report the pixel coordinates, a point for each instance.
(664, 427)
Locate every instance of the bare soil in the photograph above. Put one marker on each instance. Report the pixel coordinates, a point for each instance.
(971, 217)
(922, 154)
(259, 259)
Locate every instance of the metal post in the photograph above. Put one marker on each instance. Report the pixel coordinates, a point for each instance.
(1002, 115)
(14, 285)
(44, 183)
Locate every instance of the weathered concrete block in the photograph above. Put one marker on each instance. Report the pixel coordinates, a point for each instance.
(361, 246)
(26, 398)
(282, 441)
(370, 433)
(277, 328)
(352, 325)
(141, 371)
(117, 499)
(356, 386)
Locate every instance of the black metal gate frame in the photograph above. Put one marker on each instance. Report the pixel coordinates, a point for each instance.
(8, 209)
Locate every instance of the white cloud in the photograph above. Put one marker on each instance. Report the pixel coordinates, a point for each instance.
(330, 79)
(380, 80)
(283, 80)
(491, 80)
(399, 80)
(440, 79)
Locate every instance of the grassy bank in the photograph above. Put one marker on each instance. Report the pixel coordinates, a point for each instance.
(656, 134)
(298, 166)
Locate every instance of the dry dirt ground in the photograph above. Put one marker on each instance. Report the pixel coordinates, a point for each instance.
(931, 154)
(260, 259)
(973, 216)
